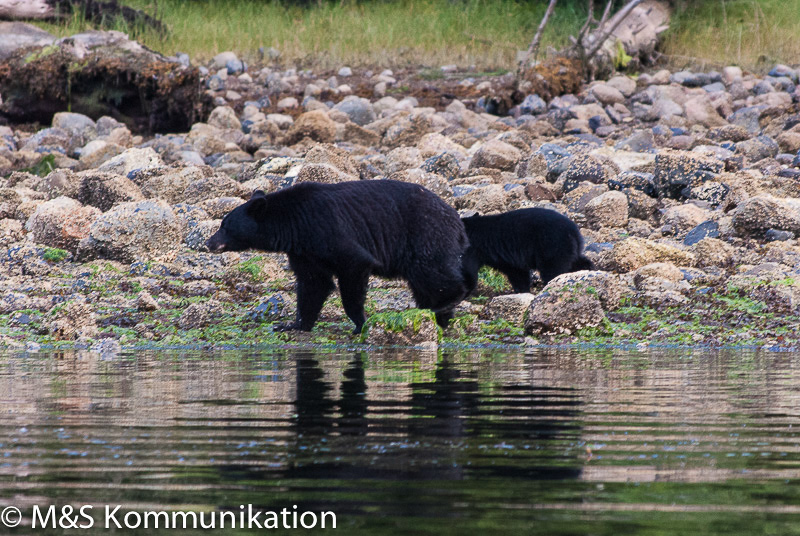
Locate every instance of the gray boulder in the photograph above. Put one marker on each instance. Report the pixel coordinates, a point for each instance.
(359, 110)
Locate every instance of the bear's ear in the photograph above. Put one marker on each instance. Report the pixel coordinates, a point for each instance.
(258, 193)
(257, 206)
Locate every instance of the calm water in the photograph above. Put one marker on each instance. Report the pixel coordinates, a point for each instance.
(552, 443)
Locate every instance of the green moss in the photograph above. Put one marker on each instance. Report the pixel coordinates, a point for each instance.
(399, 320)
(55, 254)
(41, 53)
(252, 267)
(493, 279)
(621, 58)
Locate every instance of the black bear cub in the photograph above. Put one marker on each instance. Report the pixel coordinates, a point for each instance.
(523, 240)
(351, 230)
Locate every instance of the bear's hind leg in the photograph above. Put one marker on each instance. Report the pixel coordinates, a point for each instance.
(555, 269)
(520, 279)
(353, 287)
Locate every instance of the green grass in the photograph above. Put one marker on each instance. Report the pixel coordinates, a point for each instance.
(43, 167)
(751, 33)
(485, 34)
(391, 33)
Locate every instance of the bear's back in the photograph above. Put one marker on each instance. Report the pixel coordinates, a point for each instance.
(396, 222)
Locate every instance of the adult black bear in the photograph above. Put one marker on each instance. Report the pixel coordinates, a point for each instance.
(351, 230)
(523, 240)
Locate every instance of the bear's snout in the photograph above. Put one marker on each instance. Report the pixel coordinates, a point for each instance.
(215, 243)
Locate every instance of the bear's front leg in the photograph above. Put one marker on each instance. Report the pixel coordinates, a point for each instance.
(313, 288)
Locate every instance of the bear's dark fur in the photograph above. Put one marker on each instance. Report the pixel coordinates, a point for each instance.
(352, 230)
(523, 240)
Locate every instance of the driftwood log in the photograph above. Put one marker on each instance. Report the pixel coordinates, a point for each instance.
(626, 40)
(100, 73)
(103, 12)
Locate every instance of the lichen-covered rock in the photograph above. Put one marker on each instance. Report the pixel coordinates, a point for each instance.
(224, 117)
(80, 127)
(588, 168)
(61, 223)
(104, 190)
(146, 302)
(685, 217)
(334, 156)
(607, 210)
(96, 152)
(445, 164)
(435, 144)
(490, 199)
(663, 270)
(132, 160)
(200, 315)
(325, 173)
(61, 182)
(633, 253)
(403, 158)
(72, 321)
(432, 181)
(607, 94)
(133, 231)
(496, 154)
(414, 327)
(757, 148)
(316, 125)
(563, 307)
(757, 215)
(217, 185)
(676, 170)
(713, 252)
(510, 307)
(197, 235)
(10, 232)
(700, 110)
(218, 207)
(642, 206)
(10, 199)
(170, 183)
(407, 131)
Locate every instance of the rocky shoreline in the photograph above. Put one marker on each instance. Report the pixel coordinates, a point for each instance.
(685, 186)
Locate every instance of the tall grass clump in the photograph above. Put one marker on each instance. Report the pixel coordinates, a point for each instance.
(483, 33)
(754, 34)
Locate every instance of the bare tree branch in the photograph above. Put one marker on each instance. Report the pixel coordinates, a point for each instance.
(589, 20)
(621, 16)
(534, 46)
(606, 13)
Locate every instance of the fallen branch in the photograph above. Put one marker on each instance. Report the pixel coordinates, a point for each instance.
(103, 13)
(621, 16)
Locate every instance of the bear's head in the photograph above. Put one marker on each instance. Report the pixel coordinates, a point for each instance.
(239, 229)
